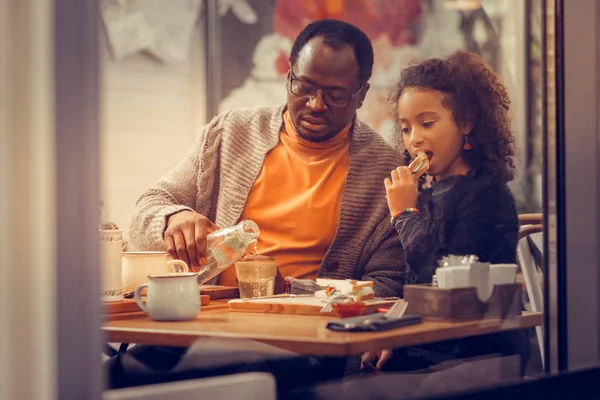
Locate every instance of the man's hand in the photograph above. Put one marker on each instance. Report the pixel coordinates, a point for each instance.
(373, 361)
(186, 237)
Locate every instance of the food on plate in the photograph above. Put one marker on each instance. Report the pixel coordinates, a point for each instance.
(420, 164)
(357, 290)
(348, 308)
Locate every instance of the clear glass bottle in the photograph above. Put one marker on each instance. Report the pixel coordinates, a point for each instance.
(225, 246)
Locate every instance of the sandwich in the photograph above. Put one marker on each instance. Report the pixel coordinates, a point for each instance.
(356, 290)
(420, 164)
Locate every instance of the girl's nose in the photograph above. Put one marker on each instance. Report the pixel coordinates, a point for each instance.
(416, 139)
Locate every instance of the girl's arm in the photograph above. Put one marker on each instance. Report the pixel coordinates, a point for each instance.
(418, 244)
(420, 247)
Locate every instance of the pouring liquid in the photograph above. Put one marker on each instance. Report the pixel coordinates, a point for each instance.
(256, 275)
(225, 247)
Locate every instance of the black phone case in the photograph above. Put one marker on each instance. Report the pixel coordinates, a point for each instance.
(372, 323)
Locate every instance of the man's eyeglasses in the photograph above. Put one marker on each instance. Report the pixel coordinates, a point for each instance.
(332, 97)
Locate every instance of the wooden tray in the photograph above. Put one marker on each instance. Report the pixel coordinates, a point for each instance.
(215, 292)
(220, 292)
(305, 305)
(462, 304)
(129, 305)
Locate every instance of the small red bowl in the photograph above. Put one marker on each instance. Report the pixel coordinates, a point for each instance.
(349, 309)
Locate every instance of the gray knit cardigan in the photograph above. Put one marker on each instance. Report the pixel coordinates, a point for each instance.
(217, 174)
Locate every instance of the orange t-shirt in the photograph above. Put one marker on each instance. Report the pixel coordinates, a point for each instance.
(296, 200)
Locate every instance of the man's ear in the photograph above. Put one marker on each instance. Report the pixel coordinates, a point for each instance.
(363, 94)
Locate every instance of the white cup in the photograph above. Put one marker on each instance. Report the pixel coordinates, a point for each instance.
(137, 265)
(170, 297)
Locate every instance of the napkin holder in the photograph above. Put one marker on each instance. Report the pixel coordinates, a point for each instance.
(463, 304)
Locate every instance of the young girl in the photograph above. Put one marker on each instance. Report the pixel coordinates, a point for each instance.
(455, 110)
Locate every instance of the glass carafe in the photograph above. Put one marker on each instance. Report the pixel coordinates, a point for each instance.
(225, 246)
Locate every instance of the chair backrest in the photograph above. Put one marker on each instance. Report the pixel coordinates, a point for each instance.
(531, 219)
(530, 229)
(246, 386)
(529, 258)
(530, 234)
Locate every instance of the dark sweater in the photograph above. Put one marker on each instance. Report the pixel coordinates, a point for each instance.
(461, 215)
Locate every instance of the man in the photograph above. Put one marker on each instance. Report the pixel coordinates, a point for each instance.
(310, 174)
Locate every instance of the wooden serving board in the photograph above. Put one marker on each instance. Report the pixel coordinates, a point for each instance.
(220, 292)
(129, 305)
(305, 305)
(216, 292)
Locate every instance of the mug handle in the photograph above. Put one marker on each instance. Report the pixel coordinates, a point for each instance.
(138, 296)
(177, 266)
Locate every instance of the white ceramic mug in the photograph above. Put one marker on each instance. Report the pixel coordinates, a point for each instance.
(170, 297)
(137, 265)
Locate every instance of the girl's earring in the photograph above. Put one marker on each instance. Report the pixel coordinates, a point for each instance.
(467, 145)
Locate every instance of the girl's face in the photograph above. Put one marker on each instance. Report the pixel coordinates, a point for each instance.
(426, 125)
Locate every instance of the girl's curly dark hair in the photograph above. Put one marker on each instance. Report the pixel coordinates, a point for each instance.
(475, 95)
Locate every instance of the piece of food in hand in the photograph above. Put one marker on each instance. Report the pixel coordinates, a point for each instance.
(357, 290)
(420, 164)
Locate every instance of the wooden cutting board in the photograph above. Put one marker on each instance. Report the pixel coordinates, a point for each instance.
(305, 305)
(129, 305)
(220, 292)
(215, 292)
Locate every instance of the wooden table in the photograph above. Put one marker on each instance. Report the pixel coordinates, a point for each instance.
(306, 334)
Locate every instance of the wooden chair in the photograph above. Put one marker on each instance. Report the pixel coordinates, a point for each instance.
(531, 219)
(251, 385)
(531, 224)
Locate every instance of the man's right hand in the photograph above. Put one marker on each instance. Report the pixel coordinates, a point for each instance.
(186, 237)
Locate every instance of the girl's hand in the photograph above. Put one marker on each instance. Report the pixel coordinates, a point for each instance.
(373, 361)
(401, 190)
